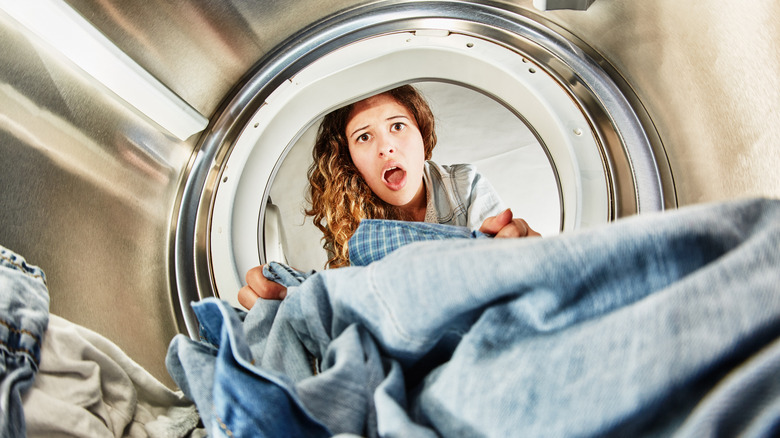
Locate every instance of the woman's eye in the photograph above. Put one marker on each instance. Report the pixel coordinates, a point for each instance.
(363, 138)
(398, 126)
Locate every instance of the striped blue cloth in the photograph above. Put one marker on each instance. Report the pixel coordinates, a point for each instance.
(376, 238)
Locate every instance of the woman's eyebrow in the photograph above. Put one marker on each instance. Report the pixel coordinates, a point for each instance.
(399, 116)
(357, 130)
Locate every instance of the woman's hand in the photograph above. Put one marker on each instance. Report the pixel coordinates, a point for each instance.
(504, 225)
(259, 287)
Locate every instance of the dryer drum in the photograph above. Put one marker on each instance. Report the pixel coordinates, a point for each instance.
(604, 155)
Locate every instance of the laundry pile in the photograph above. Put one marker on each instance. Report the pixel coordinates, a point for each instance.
(61, 379)
(659, 324)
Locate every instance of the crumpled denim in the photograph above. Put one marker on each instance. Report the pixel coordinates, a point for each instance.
(285, 275)
(24, 316)
(661, 324)
(234, 397)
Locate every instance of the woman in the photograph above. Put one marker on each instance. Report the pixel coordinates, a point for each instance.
(372, 160)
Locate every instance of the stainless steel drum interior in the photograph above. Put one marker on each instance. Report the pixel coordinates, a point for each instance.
(116, 210)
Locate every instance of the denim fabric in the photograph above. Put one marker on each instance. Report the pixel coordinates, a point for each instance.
(376, 238)
(660, 324)
(234, 397)
(24, 316)
(285, 275)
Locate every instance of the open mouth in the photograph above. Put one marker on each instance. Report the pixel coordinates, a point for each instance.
(394, 177)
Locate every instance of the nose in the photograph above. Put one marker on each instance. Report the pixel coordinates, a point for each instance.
(385, 151)
(386, 147)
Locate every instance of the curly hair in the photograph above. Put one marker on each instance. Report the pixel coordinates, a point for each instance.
(338, 195)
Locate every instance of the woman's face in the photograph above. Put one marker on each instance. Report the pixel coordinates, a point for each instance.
(387, 148)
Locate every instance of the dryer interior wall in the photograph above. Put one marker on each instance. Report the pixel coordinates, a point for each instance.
(88, 187)
(707, 76)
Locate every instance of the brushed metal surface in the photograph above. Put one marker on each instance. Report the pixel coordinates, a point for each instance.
(88, 187)
(201, 48)
(707, 75)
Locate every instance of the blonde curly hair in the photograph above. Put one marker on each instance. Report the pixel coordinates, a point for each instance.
(338, 195)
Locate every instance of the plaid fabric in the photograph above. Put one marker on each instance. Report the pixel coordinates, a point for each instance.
(376, 238)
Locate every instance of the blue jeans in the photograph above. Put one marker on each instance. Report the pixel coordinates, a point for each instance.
(24, 316)
(654, 325)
